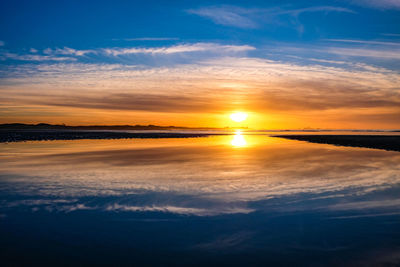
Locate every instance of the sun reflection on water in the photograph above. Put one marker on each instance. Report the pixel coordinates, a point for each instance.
(238, 140)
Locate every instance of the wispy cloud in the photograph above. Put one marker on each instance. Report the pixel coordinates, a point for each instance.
(147, 39)
(67, 51)
(178, 210)
(363, 42)
(228, 15)
(326, 9)
(361, 205)
(379, 53)
(254, 17)
(391, 34)
(71, 54)
(184, 48)
(2, 43)
(189, 52)
(32, 57)
(57, 54)
(380, 4)
(393, 54)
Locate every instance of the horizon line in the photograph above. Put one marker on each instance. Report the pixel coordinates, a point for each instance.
(197, 127)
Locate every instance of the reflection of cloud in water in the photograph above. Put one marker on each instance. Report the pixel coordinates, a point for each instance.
(179, 210)
(194, 176)
(145, 202)
(227, 241)
(362, 205)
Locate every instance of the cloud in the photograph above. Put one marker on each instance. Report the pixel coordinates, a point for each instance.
(30, 57)
(178, 210)
(227, 15)
(176, 49)
(366, 51)
(264, 101)
(367, 42)
(213, 86)
(67, 51)
(254, 17)
(132, 101)
(189, 52)
(227, 241)
(361, 205)
(57, 54)
(2, 43)
(391, 34)
(393, 54)
(380, 4)
(326, 9)
(148, 39)
(213, 78)
(71, 54)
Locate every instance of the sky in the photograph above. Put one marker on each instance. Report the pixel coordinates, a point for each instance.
(287, 64)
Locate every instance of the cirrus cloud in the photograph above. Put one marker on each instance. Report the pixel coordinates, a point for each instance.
(254, 17)
(380, 4)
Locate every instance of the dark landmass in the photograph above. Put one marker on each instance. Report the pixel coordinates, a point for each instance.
(387, 142)
(150, 127)
(16, 132)
(26, 135)
(46, 126)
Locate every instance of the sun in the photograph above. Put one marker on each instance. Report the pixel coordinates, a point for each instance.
(238, 116)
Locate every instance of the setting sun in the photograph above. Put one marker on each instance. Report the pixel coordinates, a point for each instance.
(238, 116)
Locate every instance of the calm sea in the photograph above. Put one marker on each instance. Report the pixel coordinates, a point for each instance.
(240, 199)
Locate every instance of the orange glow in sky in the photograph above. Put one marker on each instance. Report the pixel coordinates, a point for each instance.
(260, 95)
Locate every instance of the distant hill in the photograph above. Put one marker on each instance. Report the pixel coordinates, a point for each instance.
(46, 126)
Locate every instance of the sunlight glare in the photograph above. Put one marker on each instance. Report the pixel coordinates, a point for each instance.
(238, 116)
(238, 140)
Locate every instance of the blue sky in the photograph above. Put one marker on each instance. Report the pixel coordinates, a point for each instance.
(270, 26)
(72, 37)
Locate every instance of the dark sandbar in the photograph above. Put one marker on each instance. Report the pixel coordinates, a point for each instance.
(387, 142)
(17, 136)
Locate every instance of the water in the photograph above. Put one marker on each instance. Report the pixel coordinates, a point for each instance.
(236, 199)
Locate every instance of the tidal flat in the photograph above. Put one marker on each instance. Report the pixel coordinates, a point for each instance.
(48, 135)
(387, 142)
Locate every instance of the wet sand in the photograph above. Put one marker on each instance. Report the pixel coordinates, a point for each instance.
(385, 142)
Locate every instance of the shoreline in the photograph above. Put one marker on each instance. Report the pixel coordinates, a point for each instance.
(52, 135)
(385, 142)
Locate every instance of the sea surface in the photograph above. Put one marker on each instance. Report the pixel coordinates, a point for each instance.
(243, 199)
